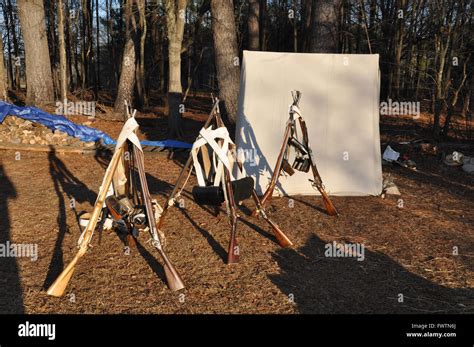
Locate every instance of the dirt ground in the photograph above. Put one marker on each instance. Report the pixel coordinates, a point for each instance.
(408, 250)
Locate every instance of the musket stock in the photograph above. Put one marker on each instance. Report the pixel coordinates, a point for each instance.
(58, 288)
(330, 208)
(172, 277)
(233, 252)
(282, 239)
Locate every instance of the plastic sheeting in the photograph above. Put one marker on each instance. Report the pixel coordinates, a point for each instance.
(83, 132)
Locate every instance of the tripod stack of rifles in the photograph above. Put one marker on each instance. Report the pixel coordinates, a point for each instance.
(132, 208)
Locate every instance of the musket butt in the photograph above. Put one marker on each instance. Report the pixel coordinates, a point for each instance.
(233, 254)
(232, 259)
(174, 281)
(58, 288)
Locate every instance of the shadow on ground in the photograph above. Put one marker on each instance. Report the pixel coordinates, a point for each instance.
(11, 295)
(323, 285)
(65, 184)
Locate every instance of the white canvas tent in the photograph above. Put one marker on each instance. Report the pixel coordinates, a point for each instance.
(340, 104)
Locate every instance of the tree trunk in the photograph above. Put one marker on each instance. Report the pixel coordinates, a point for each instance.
(62, 53)
(15, 45)
(74, 22)
(454, 100)
(398, 50)
(253, 24)
(111, 43)
(141, 89)
(162, 60)
(305, 25)
(127, 74)
(38, 65)
(97, 54)
(175, 15)
(50, 12)
(157, 45)
(324, 27)
(263, 31)
(11, 82)
(295, 26)
(226, 55)
(87, 54)
(84, 61)
(67, 36)
(3, 76)
(467, 96)
(442, 49)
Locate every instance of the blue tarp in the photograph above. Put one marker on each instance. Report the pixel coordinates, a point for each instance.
(84, 133)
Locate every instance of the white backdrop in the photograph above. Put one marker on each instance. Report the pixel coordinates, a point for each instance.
(340, 104)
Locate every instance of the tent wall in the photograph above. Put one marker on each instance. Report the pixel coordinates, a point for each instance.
(340, 104)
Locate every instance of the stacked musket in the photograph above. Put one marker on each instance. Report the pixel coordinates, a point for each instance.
(124, 205)
(213, 149)
(129, 203)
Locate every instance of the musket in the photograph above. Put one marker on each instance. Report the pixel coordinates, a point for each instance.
(317, 182)
(170, 201)
(282, 239)
(59, 285)
(277, 171)
(280, 160)
(233, 251)
(280, 165)
(172, 277)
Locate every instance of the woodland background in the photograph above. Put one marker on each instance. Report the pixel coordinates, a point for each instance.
(163, 51)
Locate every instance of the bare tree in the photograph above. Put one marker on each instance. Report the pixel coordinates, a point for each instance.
(324, 38)
(399, 47)
(87, 54)
(97, 24)
(175, 15)
(38, 67)
(127, 74)
(442, 43)
(5, 10)
(263, 25)
(253, 25)
(226, 55)
(305, 25)
(3, 75)
(141, 89)
(11, 21)
(62, 53)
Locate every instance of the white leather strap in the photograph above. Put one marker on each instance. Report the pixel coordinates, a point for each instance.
(128, 133)
(209, 136)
